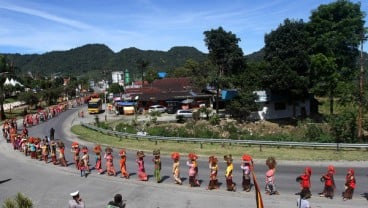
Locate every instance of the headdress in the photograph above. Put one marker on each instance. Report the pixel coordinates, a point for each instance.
(60, 144)
(308, 170)
(84, 149)
(247, 158)
(175, 156)
(192, 156)
(156, 152)
(331, 169)
(140, 154)
(271, 162)
(351, 171)
(122, 152)
(108, 150)
(228, 158)
(212, 159)
(97, 149)
(75, 145)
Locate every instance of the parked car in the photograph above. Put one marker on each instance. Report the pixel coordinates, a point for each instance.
(184, 114)
(157, 108)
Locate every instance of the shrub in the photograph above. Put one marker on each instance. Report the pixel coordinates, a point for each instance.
(20, 201)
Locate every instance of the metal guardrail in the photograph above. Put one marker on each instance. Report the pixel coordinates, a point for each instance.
(226, 141)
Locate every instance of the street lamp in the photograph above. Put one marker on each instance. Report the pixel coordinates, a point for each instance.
(361, 89)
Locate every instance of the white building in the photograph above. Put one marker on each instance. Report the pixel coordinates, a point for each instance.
(118, 77)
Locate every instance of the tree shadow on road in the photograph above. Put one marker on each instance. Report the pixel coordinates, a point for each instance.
(6, 180)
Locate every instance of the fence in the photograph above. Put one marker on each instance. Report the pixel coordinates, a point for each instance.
(202, 141)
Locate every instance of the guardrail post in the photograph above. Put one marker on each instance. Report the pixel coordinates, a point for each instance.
(201, 145)
(156, 142)
(337, 147)
(260, 148)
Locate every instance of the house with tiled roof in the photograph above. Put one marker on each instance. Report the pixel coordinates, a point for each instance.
(170, 92)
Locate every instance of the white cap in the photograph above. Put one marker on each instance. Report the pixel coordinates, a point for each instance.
(74, 193)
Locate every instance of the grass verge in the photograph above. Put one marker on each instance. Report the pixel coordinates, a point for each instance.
(166, 147)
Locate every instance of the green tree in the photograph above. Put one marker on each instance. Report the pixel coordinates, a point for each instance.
(4, 69)
(286, 51)
(335, 30)
(151, 75)
(29, 98)
(19, 201)
(226, 55)
(115, 88)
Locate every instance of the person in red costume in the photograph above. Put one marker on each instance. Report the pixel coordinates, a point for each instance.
(328, 179)
(349, 185)
(142, 175)
(305, 183)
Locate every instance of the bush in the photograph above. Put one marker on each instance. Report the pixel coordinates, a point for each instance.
(344, 127)
(20, 201)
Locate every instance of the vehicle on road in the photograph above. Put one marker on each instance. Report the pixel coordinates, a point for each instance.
(157, 108)
(184, 114)
(94, 105)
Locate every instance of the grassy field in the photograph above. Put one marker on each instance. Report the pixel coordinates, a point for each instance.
(282, 153)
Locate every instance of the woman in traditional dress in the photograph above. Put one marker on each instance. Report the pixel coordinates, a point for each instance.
(247, 167)
(213, 166)
(176, 168)
(75, 150)
(61, 150)
(305, 183)
(122, 163)
(157, 165)
(231, 186)
(98, 159)
(85, 158)
(110, 169)
(193, 170)
(349, 185)
(142, 176)
(270, 176)
(329, 183)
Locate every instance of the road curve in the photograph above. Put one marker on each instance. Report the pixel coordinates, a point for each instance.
(49, 186)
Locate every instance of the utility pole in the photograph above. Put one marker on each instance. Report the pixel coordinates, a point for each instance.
(361, 90)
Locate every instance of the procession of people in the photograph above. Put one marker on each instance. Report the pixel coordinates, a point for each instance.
(52, 150)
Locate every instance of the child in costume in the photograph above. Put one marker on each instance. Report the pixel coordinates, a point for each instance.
(176, 168)
(110, 169)
(82, 168)
(270, 176)
(328, 179)
(142, 176)
(213, 184)
(61, 149)
(98, 159)
(157, 168)
(123, 169)
(349, 185)
(32, 147)
(247, 167)
(85, 158)
(305, 183)
(53, 152)
(231, 186)
(45, 151)
(193, 170)
(75, 150)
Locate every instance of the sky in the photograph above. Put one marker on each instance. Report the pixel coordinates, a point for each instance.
(40, 26)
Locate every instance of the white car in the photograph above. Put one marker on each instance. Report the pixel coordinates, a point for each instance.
(157, 108)
(184, 113)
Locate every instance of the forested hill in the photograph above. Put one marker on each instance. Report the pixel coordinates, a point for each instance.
(97, 58)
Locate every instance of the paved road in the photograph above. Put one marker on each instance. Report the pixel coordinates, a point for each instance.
(49, 186)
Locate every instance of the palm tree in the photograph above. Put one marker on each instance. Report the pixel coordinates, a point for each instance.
(20, 201)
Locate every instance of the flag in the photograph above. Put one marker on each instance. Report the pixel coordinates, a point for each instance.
(258, 193)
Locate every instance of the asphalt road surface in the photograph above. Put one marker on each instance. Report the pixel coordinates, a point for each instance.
(49, 185)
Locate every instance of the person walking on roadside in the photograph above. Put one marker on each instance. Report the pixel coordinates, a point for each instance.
(52, 133)
(53, 152)
(98, 159)
(85, 158)
(247, 167)
(176, 168)
(142, 175)
(350, 184)
(110, 169)
(61, 150)
(305, 183)
(231, 186)
(329, 183)
(193, 170)
(75, 150)
(76, 201)
(213, 166)
(270, 176)
(157, 165)
(122, 163)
